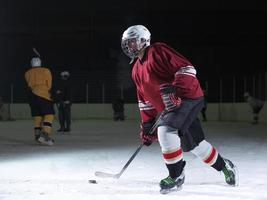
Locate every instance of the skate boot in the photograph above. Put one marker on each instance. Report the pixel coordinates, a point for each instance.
(45, 139)
(170, 184)
(67, 129)
(230, 172)
(61, 130)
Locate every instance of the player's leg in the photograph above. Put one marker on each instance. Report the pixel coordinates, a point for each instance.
(209, 155)
(67, 113)
(37, 126)
(255, 118)
(169, 140)
(256, 111)
(45, 137)
(48, 117)
(173, 157)
(61, 118)
(203, 112)
(36, 114)
(121, 116)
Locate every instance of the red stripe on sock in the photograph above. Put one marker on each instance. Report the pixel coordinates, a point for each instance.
(211, 156)
(173, 154)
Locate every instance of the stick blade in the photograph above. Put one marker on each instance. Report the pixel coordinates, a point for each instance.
(105, 175)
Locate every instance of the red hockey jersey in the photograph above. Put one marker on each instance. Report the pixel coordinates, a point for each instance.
(162, 64)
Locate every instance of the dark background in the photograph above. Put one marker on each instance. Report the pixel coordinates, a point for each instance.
(223, 39)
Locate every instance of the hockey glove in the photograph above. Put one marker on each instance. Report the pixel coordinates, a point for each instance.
(168, 95)
(146, 137)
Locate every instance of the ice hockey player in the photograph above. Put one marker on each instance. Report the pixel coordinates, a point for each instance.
(1, 107)
(63, 98)
(166, 80)
(39, 81)
(256, 106)
(118, 109)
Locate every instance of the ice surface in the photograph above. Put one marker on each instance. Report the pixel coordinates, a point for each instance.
(31, 172)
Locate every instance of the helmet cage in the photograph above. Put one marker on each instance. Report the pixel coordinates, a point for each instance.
(132, 46)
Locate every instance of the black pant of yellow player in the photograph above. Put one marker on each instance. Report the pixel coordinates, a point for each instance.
(42, 112)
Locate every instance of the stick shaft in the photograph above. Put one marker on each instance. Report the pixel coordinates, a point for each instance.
(129, 161)
(140, 146)
(105, 175)
(36, 52)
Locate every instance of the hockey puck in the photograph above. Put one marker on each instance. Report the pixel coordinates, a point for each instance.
(92, 181)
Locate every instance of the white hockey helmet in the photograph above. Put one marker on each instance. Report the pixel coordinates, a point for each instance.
(65, 74)
(36, 62)
(134, 39)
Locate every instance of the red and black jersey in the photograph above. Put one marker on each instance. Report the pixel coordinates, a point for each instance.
(160, 65)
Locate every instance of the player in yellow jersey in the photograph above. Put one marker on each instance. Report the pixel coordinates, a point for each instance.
(39, 81)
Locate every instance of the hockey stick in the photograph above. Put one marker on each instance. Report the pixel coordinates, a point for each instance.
(108, 175)
(117, 176)
(36, 52)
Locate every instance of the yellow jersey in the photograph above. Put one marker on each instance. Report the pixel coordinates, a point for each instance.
(39, 80)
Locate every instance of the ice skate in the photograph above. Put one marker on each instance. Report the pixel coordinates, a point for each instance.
(45, 139)
(230, 173)
(254, 122)
(61, 130)
(169, 184)
(67, 129)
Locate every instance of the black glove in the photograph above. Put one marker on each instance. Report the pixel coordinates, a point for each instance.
(168, 95)
(146, 137)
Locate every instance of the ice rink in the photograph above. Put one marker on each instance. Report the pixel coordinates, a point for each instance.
(29, 171)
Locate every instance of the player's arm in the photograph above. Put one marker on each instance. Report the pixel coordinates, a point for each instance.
(26, 76)
(178, 68)
(48, 79)
(176, 64)
(147, 110)
(148, 115)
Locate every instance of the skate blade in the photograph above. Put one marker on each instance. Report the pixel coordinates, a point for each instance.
(44, 142)
(234, 168)
(167, 191)
(236, 176)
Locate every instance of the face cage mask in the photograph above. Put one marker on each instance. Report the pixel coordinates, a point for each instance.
(133, 52)
(130, 52)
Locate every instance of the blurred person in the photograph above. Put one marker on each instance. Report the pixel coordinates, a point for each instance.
(256, 106)
(1, 102)
(205, 106)
(118, 110)
(1, 107)
(166, 81)
(63, 97)
(39, 82)
(5, 111)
